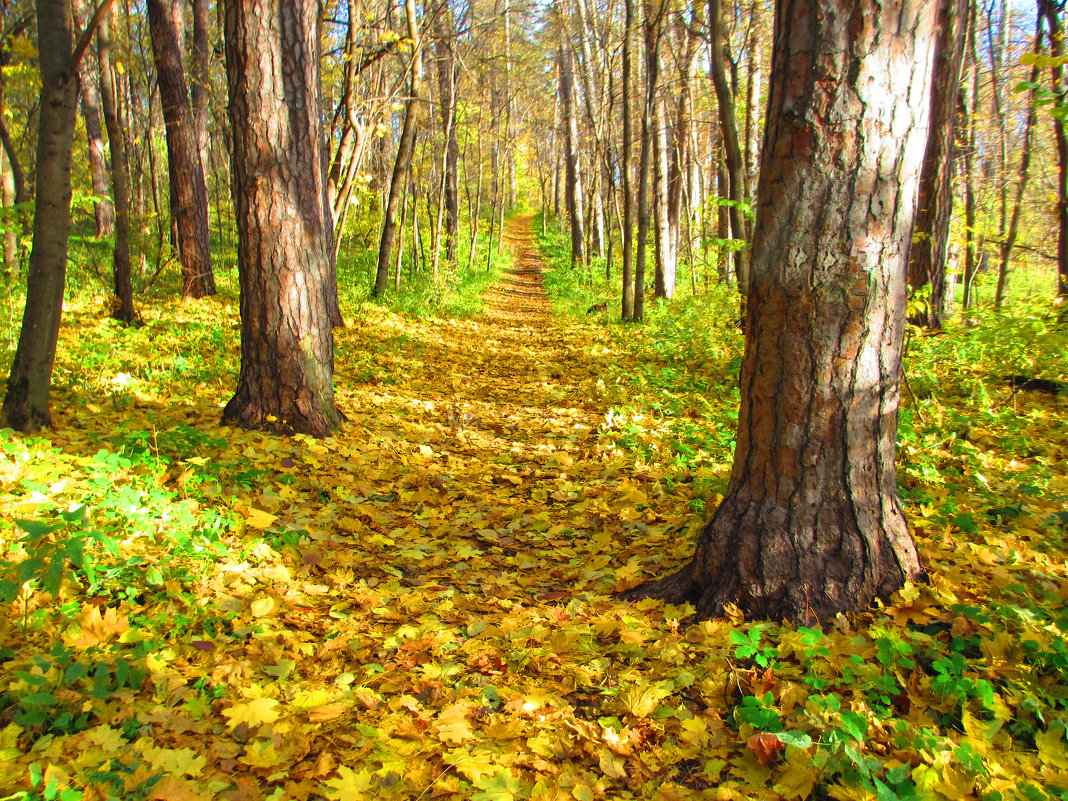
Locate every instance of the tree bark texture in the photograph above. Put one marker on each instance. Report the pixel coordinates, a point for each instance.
(120, 181)
(28, 398)
(188, 189)
(811, 523)
(930, 246)
(287, 342)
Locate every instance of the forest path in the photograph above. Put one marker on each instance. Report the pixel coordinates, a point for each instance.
(483, 445)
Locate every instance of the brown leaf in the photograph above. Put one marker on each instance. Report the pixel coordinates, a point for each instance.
(764, 746)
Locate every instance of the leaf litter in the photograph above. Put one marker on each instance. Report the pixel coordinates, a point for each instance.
(421, 606)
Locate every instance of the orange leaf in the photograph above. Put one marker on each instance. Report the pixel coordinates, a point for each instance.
(764, 746)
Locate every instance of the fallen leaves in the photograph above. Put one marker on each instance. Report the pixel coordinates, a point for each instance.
(420, 606)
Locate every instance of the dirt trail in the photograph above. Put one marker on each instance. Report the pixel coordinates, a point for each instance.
(498, 440)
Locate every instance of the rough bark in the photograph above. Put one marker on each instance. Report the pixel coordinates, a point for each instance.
(287, 343)
(930, 246)
(27, 402)
(811, 523)
(120, 182)
(188, 189)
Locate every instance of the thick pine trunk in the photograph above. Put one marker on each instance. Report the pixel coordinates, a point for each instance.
(26, 404)
(188, 189)
(811, 523)
(287, 343)
(930, 247)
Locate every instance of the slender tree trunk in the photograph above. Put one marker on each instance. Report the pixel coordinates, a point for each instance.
(188, 190)
(287, 342)
(930, 246)
(969, 95)
(120, 181)
(653, 26)
(628, 135)
(811, 523)
(405, 148)
(28, 399)
(446, 66)
(732, 151)
(104, 208)
(1053, 13)
(573, 191)
(200, 89)
(1009, 242)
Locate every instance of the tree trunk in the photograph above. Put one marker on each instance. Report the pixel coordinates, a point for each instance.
(405, 148)
(120, 180)
(1008, 244)
(969, 102)
(628, 158)
(28, 398)
(287, 343)
(188, 190)
(1056, 39)
(446, 65)
(930, 246)
(732, 151)
(811, 523)
(573, 189)
(652, 26)
(104, 208)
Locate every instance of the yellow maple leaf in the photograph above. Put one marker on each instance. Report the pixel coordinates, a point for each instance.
(453, 726)
(349, 785)
(176, 761)
(1051, 748)
(257, 518)
(253, 713)
(173, 788)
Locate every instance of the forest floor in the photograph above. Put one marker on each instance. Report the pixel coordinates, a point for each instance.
(422, 606)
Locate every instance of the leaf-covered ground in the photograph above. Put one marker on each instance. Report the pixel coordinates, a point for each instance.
(421, 607)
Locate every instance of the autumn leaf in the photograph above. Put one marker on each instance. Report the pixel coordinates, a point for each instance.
(349, 785)
(764, 746)
(253, 713)
(452, 724)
